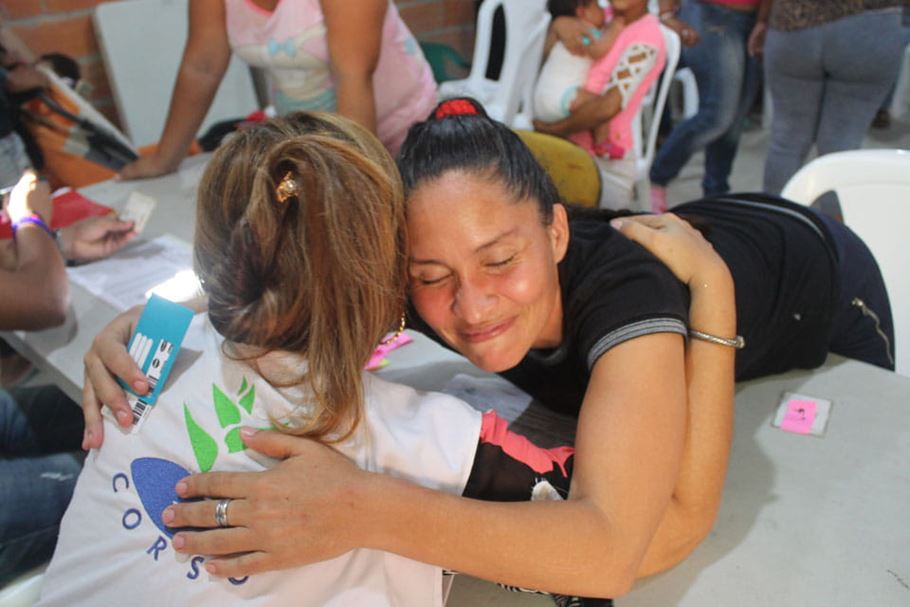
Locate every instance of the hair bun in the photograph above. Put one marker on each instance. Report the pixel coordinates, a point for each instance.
(460, 106)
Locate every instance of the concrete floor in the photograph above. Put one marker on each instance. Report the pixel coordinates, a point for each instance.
(747, 176)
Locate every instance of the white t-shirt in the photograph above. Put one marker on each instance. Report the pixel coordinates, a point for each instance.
(112, 551)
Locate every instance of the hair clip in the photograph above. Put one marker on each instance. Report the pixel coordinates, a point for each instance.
(286, 188)
(455, 107)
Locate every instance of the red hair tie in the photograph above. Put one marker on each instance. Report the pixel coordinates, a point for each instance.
(455, 107)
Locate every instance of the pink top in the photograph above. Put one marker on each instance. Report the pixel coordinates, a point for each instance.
(642, 36)
(290, 45)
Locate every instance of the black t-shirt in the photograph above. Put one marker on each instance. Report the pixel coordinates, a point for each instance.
(784, 267)
(612, 290)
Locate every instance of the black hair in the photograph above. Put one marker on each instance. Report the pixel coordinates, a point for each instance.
(565, 8)
(459, 136)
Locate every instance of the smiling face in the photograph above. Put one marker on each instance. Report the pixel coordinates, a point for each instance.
(483, 270)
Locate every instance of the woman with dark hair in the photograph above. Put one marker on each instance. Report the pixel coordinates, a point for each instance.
(588, 322)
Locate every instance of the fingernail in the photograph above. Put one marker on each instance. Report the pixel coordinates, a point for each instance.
(140, 386)
(210, 567)
(178, 542)
(124, 418)
(180, 488)
(167, 515)
(616, 223)
(247, 432)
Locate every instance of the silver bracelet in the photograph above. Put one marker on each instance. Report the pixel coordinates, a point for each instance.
(737, 342)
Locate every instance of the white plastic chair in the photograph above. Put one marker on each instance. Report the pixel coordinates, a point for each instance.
(509, 98)
(647, 121)
(141, 44)
(873, 187)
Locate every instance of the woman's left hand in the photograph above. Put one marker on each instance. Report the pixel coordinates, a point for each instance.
(305, 509)
(95, 237)
(675, 242)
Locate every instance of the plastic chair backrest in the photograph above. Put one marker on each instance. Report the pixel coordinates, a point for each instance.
(873, 188)
(441, 57)
(142, 44)
(526, 24)
(647, 120)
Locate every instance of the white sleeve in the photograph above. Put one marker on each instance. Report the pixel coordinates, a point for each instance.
(429, 438)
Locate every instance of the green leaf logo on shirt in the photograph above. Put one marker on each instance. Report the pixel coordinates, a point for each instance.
(229, 414)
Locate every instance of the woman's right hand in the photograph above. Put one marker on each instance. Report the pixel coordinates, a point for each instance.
(146, 167)
(756, 43)
(680, 247)
(107, 358)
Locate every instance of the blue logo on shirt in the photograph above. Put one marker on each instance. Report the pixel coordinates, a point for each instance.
(154, 480)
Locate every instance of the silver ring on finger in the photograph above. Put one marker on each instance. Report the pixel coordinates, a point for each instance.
(221, 509)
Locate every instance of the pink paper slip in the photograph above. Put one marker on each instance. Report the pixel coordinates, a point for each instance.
(802, 414)
(799, 417)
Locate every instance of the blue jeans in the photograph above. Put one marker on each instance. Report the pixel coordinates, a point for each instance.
(826, 84)
(728, 81)
(40, 459)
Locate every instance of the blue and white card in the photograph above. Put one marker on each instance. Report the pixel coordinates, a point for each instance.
(154, 346)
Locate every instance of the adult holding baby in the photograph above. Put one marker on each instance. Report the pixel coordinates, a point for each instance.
(325, 55)
(593, 99)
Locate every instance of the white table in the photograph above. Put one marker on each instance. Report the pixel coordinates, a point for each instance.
(805, 520)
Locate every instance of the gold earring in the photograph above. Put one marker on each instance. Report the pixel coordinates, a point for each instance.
(397, 334)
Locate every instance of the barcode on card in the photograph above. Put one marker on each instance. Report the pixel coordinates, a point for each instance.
(140, 412)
